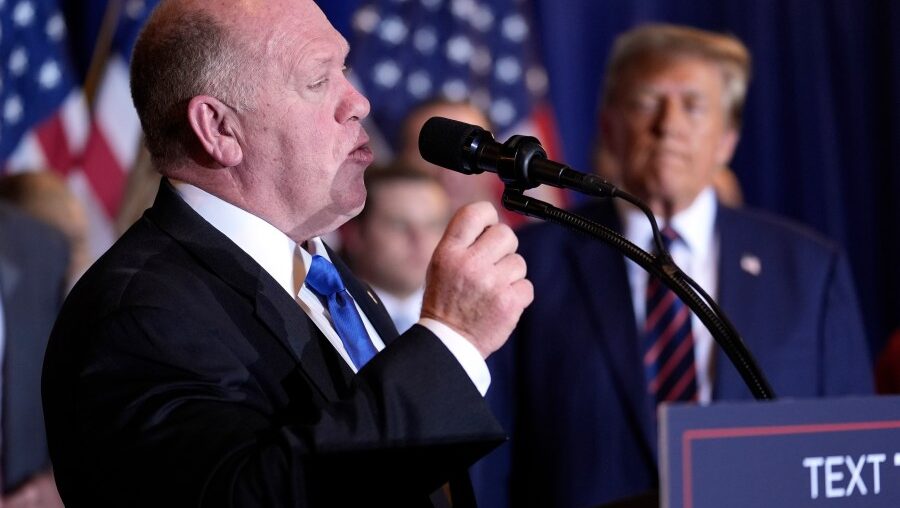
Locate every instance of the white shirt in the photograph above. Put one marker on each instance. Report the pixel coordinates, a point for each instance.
(697, 255)
(404, 311)
(288, 263)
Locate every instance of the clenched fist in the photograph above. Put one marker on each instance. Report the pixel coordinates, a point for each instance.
(476, 282)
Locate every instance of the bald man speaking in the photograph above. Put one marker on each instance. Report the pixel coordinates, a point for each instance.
(220, 354)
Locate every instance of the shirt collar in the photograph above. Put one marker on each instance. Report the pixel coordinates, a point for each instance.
(411, 303)
(695, 224)
(273, 250)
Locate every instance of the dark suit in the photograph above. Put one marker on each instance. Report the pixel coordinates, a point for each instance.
(33, 263)
(181, 374)
(570, 384)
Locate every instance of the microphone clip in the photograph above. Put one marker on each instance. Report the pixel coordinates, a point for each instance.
(515, 160)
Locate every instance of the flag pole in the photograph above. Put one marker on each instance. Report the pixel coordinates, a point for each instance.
(102, 49)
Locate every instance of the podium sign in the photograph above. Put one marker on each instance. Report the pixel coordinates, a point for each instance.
(802, 453)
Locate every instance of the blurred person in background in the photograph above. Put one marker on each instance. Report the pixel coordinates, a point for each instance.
(670, 120)
(461, 189)
(34, 264)
(45, 196)
(390, 243)
(728, 188)
(724, 181)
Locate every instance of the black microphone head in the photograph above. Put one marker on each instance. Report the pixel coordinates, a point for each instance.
(444, 142)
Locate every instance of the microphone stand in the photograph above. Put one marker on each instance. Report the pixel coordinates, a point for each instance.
(660, 266)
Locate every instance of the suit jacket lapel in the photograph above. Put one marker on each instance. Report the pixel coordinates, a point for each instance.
(602, 274)
(734, 282)
(273, 306)
(9, 280)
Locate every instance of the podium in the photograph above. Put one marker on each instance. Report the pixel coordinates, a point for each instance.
(801, 453)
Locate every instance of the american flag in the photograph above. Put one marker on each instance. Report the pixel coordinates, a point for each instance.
(46, 123)
(115, 135)
(407, 52)
(44, 120)
(115, 132)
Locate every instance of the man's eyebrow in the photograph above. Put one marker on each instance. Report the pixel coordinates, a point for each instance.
(327, 57)
(319, 60)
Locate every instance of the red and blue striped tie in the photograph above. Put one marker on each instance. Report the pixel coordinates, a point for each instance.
(668, 341)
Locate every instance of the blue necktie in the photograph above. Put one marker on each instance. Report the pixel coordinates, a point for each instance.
(324, 280)
(668, 341)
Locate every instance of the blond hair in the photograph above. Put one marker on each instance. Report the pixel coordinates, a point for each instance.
(652, 42)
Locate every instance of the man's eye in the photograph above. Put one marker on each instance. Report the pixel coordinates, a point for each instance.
(644, 103)
(695, 109)
(318, 84)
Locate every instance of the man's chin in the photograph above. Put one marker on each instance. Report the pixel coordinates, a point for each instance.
(353, 204)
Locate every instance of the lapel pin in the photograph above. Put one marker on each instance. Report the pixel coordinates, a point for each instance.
(751, 264)
(372, 296)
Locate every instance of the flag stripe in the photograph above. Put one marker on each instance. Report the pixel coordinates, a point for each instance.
(54, 143)
(103, 172)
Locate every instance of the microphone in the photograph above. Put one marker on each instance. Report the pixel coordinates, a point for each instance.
(521, 162)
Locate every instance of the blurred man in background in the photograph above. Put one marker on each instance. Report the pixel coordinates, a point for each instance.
(671, 116)
(34, 259)
(390, 243)
(45, 196)
(461, 189)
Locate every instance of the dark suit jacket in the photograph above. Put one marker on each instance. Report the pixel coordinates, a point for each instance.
(570, 386)
(33, 262)
(181, 374)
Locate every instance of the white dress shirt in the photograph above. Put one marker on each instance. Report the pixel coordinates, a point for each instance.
(288, 263)
(404, 311)
(697, 255)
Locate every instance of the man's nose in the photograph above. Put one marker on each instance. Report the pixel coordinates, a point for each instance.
(670, 117)
(353, 106)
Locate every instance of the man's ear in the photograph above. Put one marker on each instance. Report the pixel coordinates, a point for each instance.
(217, 129)
(727, 145)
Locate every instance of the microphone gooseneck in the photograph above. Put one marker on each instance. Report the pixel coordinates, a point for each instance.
(522, 164)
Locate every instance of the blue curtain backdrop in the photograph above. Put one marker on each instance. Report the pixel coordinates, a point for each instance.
(820, 141)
